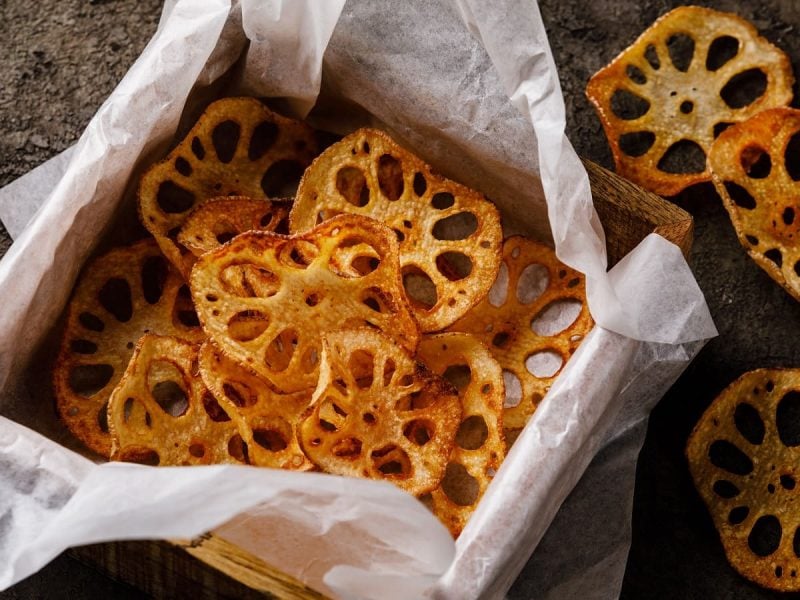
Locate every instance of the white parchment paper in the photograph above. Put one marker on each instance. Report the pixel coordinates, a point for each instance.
(472, 88)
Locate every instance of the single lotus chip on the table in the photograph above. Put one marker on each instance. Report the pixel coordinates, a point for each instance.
(161, 413)
(219, 220)
(266, 299)
(378, 413)
(120, 296)
(266, 420)
(533, 320)
(754, 166)
(479, 446)
(450, 235)
(665, 99)
(237, 148)
(744, 456)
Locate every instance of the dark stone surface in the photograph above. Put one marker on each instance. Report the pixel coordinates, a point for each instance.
(59, 60)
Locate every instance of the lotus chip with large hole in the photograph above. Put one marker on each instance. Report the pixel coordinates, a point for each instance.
(162, 414)
(755, 167)
(479, 443)
(266, 299)
(266, 420)
(744, 456)
(450, 235)
(377, 413)
(663, 100)
(119, 297)
(533, 319)
(237, 148)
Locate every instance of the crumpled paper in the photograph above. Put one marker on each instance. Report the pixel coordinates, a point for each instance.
(473, 89)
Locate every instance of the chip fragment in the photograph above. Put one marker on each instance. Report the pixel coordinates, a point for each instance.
(450, 235)
(120, 296)
(237, 148)
(664, 99)
(267, 299)
(744, 455)
(533, 319)
(479, 446)
(377, 413)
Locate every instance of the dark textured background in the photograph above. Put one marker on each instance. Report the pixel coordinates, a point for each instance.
(60, 59)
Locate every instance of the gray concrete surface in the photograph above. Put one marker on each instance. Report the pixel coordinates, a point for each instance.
(59, 60)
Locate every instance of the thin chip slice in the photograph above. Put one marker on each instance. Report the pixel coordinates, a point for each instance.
(221, 219)
(450, 235)
(237, 148)
(266, 300)
(744, 456)
(479, 443)
(754, 166)
(266, 420)
(533, 319)
(162, 414)
(377, 413)
(664, 99)
(119, 296)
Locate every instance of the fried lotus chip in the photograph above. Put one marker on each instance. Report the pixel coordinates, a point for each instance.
(761, 190)
(533, 319)
(162, 414)
(744, 455)
(237, 148)
(120, 296)
(479, 443)
(219, 220)
(266, 299)
(450, 235)
(377, 413)
(266, 420)
(687, 77)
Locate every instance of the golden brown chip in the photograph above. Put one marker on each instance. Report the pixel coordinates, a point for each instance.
(237, 148)
(754, 166)
(479, 443)
(266, 299)
(449, 235)
(744, 456)
(664, 99)
(533, 319)
(265, 419)
(219, 220)
(379, 414)
(162, 414)
(119, 296)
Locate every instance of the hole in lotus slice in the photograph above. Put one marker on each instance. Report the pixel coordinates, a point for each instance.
(249, 281)
(390, 177)
(348, 448)
(635, 74)
(419, 431)
(544, 364)
(787, 419)
(154, 275)
(274, 436)
(214, 411)
(225, 138)
(173, 198)
(197, 449)
(556, 317)
(237, 448)
(239, 393)
(281, 349)
(513, 389)
(183, 312)
(91, 322)
(532, 283)
(459, 226)
(139, 455)
(420, 184)
(82, 347)
(264, 136)
(472, 433)
(281, 179)
(454, 265)
(352, 185)
(727, 456)
(87, 380)
(499, 291)
(725, 489)
(681, 51)
(362, 366)
(628, 106)
(247, 325)
(167, 386)
(749, 423)
(651, 56)
(637, 143)
(298, 254)
(744, 88)
(458, 375)
(115, 297)
(419, 287)
(683, 157)
(739, 195)
(756, 162)
(720, 51)
(392, 462)
(791, 157)
(102, 417)
(459, 486)
(765, 536)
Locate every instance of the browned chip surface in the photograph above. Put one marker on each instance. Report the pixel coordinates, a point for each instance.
(744, 455)
(754, 166)
(266, 300)
(533, 319)
(237, 148)
(665, 98)
(119, 296)
(379, 414)
(450, 236)
(479, 443)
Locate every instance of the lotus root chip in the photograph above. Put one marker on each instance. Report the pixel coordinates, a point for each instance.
(754, 169)
(221, 219)
(265, 419)
(119, 296)
(479, 446)
(238, 147)
(449, 235)
(743, 456)
(266, 299)
(533, 319)
(665, 99)
(377, 413)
